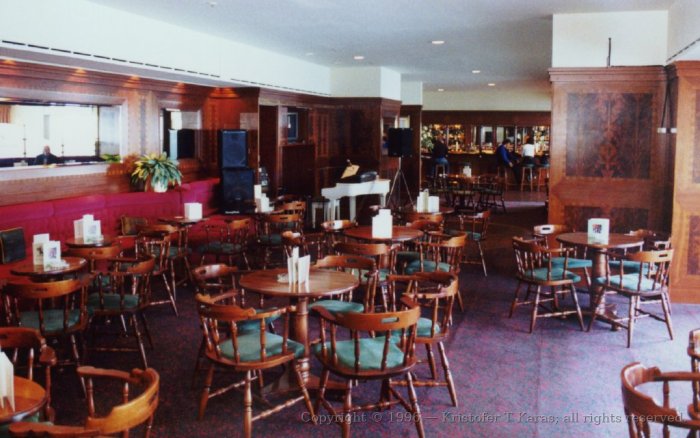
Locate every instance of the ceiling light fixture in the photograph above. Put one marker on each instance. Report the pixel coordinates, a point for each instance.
(491, 84)
(309, 53)
(358, 57)
(212, 4)
(441, 89)
(476, 72)
(437, 42)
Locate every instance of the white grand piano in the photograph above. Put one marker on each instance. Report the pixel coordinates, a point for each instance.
(352, 190)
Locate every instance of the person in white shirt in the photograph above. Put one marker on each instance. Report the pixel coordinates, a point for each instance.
(528, 153)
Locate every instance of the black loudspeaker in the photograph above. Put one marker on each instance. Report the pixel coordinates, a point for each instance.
(181, 143)
(237, 191)
(400, 142)
(233, 144)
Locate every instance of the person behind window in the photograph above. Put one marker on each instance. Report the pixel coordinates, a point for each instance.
(46, 158)
(440, 154)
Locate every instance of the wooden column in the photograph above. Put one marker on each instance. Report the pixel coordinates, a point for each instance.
(607, 159)
(685, 275)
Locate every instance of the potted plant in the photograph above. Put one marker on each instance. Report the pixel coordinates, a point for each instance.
(157, 170)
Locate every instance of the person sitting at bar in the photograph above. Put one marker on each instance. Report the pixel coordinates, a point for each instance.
(506, 157)
(46, 158)
(440, 154)
(528, 153)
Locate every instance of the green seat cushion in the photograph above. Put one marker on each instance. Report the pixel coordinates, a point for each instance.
(338, 306)
(428, 266)
(270, 239)
(573, 263)
(627, 266)
(112, 302)
(249, 346)
(53, 319)
(403, 257)
(629, 282)
(371, 353)
(221, 247)
(540, 274)
(5, 428)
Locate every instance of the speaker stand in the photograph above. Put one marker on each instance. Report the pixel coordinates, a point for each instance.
(399, 178)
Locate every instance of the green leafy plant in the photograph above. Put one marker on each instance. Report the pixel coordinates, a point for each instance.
(111, 158)
(156, 169)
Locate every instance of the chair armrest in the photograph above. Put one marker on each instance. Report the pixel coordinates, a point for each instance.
(47, 356)
(89, 371)
(325, 314)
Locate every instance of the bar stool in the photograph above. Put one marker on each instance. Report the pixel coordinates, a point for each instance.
(503, 173)
(526, 168)
(542, 176)
(439, 170)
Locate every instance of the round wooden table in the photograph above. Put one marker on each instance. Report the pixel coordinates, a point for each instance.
(399, 234)
(30, 397)
(600, 267)
(80, 242)
(322, 283)
(28, 268)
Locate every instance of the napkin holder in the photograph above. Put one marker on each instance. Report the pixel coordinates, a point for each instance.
(598, 230)
(467, 171)
(7, 382)
(382, 224)
(433, 204)
(257, 191)
(262, 204)
(298, 268)
(87, 228)
(423, 201)
(193, 210)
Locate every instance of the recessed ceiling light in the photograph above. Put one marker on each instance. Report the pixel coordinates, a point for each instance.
(358, 57)
(491, 84)
(437, 42)
(212, 4)
(441, 89)
(309, 53)
(476, 72)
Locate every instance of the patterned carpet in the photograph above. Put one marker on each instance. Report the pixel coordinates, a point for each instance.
(558, 381)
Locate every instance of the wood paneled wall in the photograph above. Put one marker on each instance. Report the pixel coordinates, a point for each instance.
(685, 117)
(607, 159)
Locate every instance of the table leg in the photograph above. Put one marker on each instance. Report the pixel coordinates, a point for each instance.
(604, 312)
(351, 203)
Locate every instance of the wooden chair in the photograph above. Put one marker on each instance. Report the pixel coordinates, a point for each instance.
(435, 293)
(27, 349)
(269, 236)
(536, 269)
(694, 354)
(156, 244)
(228, 241)
(641, 409)
(647, 284)
(368, 275)
(476, 226)
(491, 189)
(130, 414)
(384, 257)
(384, 351)
(58, 309)
(332, 233)
(247, 352)
(125, 294)
(410, 251)
(462, 192)
(291, 240)
(97, 257)
(577, 260)
(442, 254)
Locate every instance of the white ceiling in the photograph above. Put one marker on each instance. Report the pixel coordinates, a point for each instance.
(510, 41)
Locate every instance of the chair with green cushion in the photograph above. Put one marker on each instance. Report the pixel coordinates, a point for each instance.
(443, 254)
(653, 240)
(98, 259)
(369, 346)
(28, 351)
(269, 237)
(216, 279)
(645, 285)
(367, 273)
(133, 411)
(410, 251)
(536, 269)
(490, 189)
(476, 226)
(251, 353)
(156, 243)
(332, 233)
(229, 241)
(577, 260)
(384, 257)
(435, 293)
(59, 310)
(124, 295)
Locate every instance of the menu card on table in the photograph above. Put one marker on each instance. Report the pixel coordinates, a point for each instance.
(87, 228)
(298, 268)
(193, 210)
(7, 382)
(382, 224)
(598, 230)
(46, 252)
(262, 204)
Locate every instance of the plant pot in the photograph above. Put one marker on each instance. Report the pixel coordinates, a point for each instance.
(159, 187)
